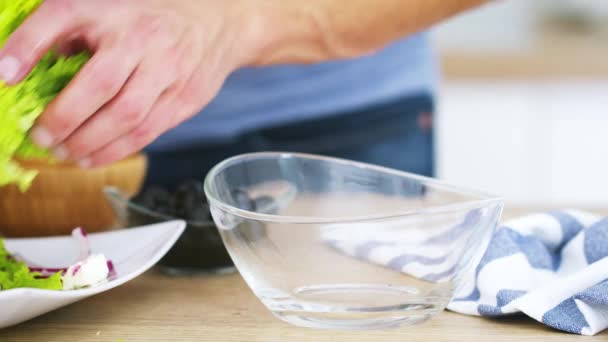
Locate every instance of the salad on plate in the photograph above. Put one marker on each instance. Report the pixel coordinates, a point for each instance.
(89, 270)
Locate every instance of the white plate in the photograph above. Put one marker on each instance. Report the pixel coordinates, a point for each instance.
(132, 251)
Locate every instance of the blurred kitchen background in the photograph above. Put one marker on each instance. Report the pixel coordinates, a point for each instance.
(523, 109)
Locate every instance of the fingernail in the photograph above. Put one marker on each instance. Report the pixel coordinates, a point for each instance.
(42, 137)
(61, 153)
(85, 163)
(9, 67)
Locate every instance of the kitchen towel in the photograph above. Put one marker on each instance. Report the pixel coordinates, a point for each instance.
(550, 266)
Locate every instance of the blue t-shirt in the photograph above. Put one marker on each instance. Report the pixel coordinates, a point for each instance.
(253, 98)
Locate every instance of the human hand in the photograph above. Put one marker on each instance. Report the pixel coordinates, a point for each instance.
(154, 64)
(157, 62)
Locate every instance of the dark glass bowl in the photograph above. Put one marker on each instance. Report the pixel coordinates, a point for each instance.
(199, 250)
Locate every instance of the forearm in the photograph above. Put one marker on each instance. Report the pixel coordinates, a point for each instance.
(296, 31)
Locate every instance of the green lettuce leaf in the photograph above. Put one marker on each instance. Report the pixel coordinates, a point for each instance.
(15, 274)
(22, 104)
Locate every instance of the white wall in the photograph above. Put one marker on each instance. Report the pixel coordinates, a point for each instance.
(537, 143)
(533, 142)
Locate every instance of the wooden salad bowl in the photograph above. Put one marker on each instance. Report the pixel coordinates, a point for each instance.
(64, 196)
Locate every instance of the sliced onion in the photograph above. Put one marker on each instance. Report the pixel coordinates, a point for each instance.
(80, 235)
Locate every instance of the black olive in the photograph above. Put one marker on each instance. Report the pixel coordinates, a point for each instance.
(200, 214)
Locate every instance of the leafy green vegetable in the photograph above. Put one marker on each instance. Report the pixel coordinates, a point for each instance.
(14, 274)
(22, 104)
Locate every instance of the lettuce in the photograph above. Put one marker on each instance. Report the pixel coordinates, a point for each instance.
(22, 104)
(15, 274)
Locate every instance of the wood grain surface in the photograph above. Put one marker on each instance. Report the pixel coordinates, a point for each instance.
(155, 307)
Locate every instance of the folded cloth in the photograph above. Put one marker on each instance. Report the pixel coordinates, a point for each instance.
(550, 266)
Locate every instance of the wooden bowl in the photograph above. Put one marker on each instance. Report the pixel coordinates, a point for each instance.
(64, 197)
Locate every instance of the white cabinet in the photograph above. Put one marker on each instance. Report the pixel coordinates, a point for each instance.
(533, 142)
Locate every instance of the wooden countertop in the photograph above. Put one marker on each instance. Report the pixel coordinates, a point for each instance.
(155, 307)
(222, 308)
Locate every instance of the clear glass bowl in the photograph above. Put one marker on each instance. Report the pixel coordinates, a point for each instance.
(357, 246)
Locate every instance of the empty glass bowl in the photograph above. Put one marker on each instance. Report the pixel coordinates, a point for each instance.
(357, 246)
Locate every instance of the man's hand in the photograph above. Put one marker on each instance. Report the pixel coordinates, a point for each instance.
(156, 63)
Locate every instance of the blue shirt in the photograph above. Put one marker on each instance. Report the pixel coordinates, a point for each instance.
(254, 98)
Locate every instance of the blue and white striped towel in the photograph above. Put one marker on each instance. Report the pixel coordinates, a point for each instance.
(552, 267)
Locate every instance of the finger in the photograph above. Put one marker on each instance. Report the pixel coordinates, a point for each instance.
(121, 115)
(176, 105)
(97, 83)
(51, 21)
(148, 130)
(152, 78)
(177, 102)
(200, 88)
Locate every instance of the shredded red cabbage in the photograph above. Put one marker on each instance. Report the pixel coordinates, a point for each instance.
(111, 270)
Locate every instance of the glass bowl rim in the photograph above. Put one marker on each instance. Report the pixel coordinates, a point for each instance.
(483, 199)
(114, 193)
